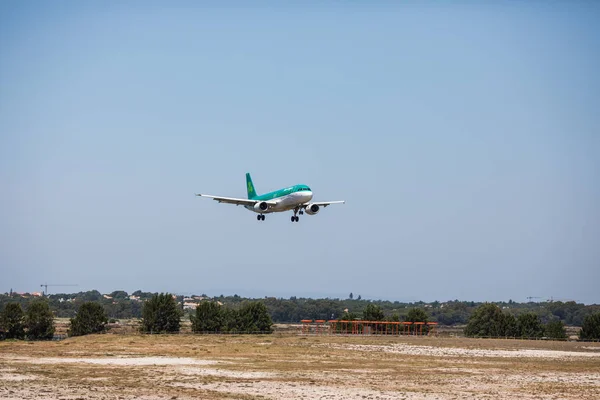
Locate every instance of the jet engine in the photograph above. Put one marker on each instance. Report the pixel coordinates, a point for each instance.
(261, 207)
(312, 209)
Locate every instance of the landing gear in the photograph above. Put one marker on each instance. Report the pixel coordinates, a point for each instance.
(295, 217)
(260, 217)
(301, 212)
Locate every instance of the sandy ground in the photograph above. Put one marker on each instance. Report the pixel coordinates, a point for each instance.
(297, 367)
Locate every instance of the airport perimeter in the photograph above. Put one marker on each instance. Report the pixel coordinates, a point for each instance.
(292, 366)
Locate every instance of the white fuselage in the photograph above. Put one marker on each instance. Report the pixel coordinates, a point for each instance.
(286, 203)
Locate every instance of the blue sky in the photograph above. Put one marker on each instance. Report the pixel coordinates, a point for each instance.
(464, 137)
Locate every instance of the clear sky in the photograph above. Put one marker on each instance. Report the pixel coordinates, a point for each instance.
(464, 137)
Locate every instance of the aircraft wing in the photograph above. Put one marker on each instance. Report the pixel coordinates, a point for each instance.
(236, 201)
(326, 203)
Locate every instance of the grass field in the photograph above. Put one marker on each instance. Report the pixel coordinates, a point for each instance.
(297, 367)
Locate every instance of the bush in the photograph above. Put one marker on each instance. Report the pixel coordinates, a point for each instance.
(590, 329)
(161, 314)
(373, 313)
(208, 318)
(11, 321)
(418, 315)
(555, 329)
(254, 317)
(90, 318)
(529, 326)
(39, 321)
(230, 320)
(488, 320)
(509, 324)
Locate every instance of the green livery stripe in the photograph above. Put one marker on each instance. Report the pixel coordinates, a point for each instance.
(271, 195)
(282, 192)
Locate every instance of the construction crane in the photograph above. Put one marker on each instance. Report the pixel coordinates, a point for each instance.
(45, 286)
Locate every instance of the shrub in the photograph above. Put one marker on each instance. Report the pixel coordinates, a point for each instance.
(373, 313)
(555, 329)
(90, 318)
(11, 321)
(590, 329)
(208, 318)
(230, 319)
(488, 320)
(161, 314)
(254, 317)
(529, 326)
(418, 315)
(39, 321)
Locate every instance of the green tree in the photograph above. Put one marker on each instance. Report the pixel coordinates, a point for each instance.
(90, 318)
(590, 329)
(230, 318)
(487, 320)
(119, 295)
(348, 316)
(208, 318)
(373, 313)
(11, 321)
(39, 320)
(529, 326)
(417, 315)
(555, 329)
(161, 314)
(509, 325)
(254, 317)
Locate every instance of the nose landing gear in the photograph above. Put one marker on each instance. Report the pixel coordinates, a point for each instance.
(260, 217)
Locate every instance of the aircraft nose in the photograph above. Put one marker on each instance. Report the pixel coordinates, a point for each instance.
(308, 196)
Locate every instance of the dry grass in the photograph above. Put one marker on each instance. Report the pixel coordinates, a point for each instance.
(289, 366)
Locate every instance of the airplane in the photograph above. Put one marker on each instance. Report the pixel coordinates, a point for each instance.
(296, 198)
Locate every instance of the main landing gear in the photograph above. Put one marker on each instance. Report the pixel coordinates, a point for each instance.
(260, 217)
(295, 218)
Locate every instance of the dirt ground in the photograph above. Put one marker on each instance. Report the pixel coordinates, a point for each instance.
(287, 366)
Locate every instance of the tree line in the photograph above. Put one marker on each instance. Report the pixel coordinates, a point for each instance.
(36, 323)
(120, 305)
(160, 314)
(489, 320)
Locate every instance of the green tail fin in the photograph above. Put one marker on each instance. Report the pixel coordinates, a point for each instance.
(250, 186)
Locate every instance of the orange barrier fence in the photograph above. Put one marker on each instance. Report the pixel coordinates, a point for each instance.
(343, 327)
